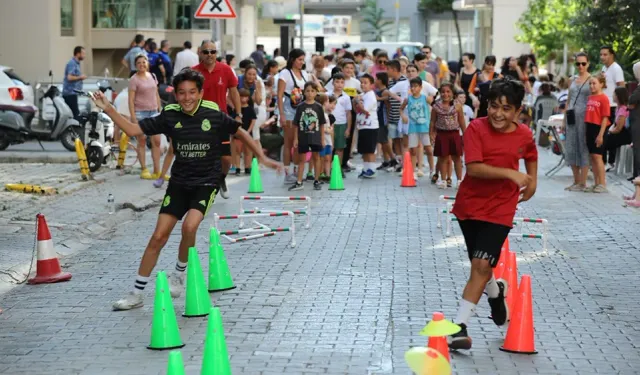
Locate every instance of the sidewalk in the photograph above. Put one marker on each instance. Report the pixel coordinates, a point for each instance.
(352, 296)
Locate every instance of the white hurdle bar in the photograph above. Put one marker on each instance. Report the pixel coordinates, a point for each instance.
(266, 231)
(306, 210)
(448, 200)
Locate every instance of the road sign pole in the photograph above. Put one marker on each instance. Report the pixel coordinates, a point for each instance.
(301, 6)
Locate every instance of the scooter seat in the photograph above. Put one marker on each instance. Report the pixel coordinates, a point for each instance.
(17, 108)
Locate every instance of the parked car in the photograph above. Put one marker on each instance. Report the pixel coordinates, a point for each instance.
(14, 90)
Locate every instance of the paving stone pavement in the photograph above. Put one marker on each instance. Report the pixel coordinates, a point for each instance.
(354, 293)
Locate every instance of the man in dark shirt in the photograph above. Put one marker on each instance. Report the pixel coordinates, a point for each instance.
(196, 128)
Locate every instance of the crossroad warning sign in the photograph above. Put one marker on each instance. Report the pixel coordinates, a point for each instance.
(215, 9)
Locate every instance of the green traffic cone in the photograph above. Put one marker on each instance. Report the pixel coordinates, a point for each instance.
(255, 184)
(219, 275)
(215, 359)
(197, 301)
(175, 365)
(336, 182)
(165, 333)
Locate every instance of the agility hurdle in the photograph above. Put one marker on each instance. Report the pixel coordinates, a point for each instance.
(448, 201)
(261, 230)
(305, 210)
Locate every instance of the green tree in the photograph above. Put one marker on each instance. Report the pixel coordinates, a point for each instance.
(546, 25)
(443, 6)
(609, 22)
(374, 18)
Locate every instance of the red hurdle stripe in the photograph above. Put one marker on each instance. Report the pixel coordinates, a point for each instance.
(228, 217)
(252, 198)
(279, 214)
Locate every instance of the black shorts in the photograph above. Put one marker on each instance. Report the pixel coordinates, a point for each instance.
(383, 134)
(226, 145)
(303, 148)
(367, 141)
(179, 199)
(484, 240)
(593, 130)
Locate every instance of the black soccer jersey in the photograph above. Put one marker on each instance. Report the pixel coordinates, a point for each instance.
(196, 139)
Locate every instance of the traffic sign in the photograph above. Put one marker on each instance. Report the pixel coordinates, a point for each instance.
(215, 9)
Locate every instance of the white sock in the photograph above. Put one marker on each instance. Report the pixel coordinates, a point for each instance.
(140, 283)
(180, 267)
(368, 166)
(467, 309)
(492, 288)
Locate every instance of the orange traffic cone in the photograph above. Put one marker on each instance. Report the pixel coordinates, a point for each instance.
(520, 334)
(440, 344)
(498, 271)
(505, 245)
(47, 268)
(511, 276)
(407, 172)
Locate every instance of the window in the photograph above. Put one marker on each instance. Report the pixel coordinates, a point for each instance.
(443, 38)
(66, 17)
(129, 14)
(405, 32)
(181, 16)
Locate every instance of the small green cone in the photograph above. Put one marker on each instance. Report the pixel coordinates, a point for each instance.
(215, 359)
(175, 365)
(255, 184)
(165, 333)
(197, 301)
(219, 274)
(336, 182)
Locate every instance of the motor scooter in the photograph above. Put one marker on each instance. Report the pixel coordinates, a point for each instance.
(13, 120)
(99, 132)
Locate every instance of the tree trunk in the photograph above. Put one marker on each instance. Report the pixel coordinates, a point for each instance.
(455, 20)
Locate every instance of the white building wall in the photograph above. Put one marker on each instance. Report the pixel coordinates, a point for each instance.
(506, 14)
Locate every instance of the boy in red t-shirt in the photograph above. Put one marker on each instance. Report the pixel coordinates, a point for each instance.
(487, 198)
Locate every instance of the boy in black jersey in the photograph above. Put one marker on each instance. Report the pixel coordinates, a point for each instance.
(196, 128)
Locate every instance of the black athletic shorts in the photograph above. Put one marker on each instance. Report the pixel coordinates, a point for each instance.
(383, 134)
(367, 141)
(303, 148)
(226, 144)
(181, 198)
(484, 240)
(593, 130)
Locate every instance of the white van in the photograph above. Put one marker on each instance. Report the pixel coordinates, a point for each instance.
(410, 49)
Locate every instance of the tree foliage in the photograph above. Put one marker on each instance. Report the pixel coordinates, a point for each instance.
(584, 25)
(546, 26)
(373, 16)
(609, 22)
(443, 6)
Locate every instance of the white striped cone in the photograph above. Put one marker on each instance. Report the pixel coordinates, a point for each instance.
(47, 268)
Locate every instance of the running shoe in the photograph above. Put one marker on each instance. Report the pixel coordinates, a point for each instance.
(296, 186)
(317, 185)
(224, 193)
(369, 174)
(130, 301)
(460, 340)
(146, 175)
(499, 308)
(382, 166)
(158, 183)
(310, 176)
(290, 178)
(176, 283)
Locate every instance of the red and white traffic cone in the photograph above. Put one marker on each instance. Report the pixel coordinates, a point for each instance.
(47, 268)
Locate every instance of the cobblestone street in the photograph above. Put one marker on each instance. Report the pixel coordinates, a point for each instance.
(354, 293)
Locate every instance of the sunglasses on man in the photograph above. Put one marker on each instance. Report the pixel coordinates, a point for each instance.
(209, 51)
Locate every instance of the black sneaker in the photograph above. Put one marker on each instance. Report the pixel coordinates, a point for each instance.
(460, 340)
(310, 177)
(295, 187)
(247, 171)
(382, 166)
(238, 171)
(499, 308)
(317, 185)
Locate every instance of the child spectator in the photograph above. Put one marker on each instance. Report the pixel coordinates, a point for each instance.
(418, 118)
(248, 122)
(382, 95)
(597, 120)
(618, 135)
(310, 121)
(486, 202)
(469, 113)
(447, 120)
(342, 113)
(367, 124)
(329, 106)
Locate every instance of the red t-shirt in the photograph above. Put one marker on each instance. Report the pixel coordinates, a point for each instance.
(216, 83)
(597, 108)
(493, 201)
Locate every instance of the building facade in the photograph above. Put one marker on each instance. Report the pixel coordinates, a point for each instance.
(38, 36)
